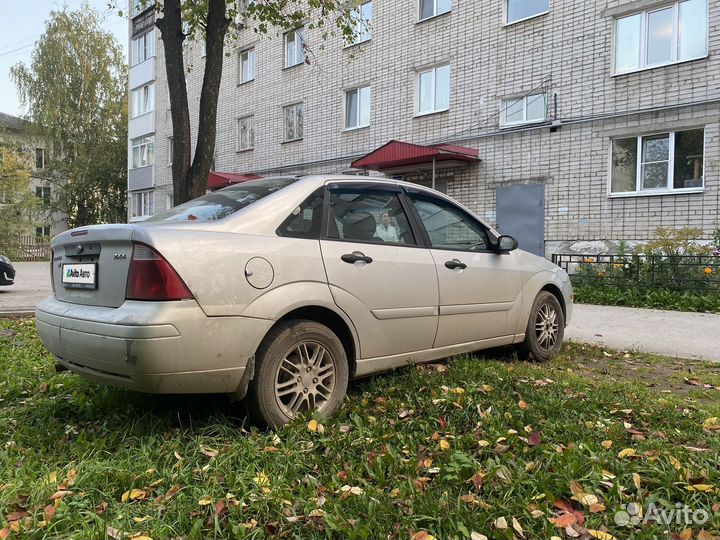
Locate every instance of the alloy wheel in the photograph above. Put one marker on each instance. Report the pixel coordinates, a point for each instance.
(305, 379)
(546, 326)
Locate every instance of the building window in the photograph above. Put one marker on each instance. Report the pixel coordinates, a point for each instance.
(247, 65)
(43, 193)
(42, 231)
(293, 122)
(39, 158)
(432, 8)
(357, 108)
(519, 10)
(142, 152)
(362, 17)
(170, 150)
(673, 33)
(169, 201)
(660, 162)
(525, 110)
(142, 205)
(294, 48)
(433, 90)
(142, 48)
(142, 100)
(246, 133)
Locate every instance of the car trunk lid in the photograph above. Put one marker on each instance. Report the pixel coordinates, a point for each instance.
(90, 264)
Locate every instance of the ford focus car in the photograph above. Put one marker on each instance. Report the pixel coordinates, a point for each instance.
(281, 290)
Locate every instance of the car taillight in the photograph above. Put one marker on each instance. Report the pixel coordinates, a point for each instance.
(52, 270)
(152, 278)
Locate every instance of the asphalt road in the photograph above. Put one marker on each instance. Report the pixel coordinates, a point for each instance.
(32, 284)
(671, 333)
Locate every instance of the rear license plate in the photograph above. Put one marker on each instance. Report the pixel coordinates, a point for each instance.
(79, 276)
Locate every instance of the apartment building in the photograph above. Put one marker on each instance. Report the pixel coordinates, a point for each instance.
(34, 151)
(572, 125)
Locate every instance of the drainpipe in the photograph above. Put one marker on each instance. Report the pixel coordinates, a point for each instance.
(433, 177)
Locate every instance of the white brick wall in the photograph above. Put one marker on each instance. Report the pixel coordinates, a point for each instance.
(570, 48)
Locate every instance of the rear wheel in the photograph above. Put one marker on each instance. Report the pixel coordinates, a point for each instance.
(545, 329)
(301, 366)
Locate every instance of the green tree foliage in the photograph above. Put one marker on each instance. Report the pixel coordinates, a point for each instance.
(17, 204)
(75, 91)
(217, 23)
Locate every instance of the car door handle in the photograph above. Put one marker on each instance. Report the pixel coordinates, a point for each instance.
(455, 264)
(356, 256)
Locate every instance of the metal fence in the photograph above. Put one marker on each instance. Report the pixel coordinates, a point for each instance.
(691, 273)
(27, 248)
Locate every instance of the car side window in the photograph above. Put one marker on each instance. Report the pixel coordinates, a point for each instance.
(306, 219)
(369, 216)
(448, 226)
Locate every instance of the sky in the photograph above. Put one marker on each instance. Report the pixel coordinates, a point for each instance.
(22, 22)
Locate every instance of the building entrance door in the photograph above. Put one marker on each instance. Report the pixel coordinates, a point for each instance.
(521, 213)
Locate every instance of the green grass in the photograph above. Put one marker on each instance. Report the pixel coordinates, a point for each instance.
(61, 433)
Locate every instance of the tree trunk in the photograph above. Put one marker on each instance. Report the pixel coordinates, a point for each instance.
(217, 26)
(190, 180)
(172, 35)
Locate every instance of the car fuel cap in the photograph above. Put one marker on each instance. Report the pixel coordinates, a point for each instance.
(259, 273)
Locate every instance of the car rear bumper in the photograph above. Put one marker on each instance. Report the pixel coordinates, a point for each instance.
(154, 347)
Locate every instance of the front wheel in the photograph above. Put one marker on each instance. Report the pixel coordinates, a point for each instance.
(301, 366)
(545, 329)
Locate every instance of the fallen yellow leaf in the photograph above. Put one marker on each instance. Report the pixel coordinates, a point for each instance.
(444, 445)
(627, 452)
(601, 535)
(312, 425)
(134, 495)
(205, 501)
(607, 444)
(700, 487)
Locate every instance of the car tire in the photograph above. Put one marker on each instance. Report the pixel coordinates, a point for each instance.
(545, 329)
(300, 366)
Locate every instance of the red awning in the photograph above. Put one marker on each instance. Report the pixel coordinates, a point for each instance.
(396, 154)
(217, 180)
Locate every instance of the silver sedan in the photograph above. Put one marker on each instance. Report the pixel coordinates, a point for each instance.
(283, 289)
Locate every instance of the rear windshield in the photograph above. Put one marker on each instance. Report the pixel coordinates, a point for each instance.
(225, 202)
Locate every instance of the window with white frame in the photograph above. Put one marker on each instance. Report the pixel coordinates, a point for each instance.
(357, 108)
(246, 133)
(42, 230)
(293, 122)
(142, 152)
(246, 66)
(170, 150)
(142, 100)
(659, 162)
(142, 48)
(519, 10)
(40, 158)
(524, 110)
(362, 19)
(433, 90)
(44, 193)
(432, 8)
(142, 204)
(294, 48)
(673, 33)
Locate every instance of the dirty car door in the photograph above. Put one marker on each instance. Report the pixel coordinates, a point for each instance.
(388, 287)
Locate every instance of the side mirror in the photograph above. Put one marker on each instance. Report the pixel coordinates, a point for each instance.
(506, 244)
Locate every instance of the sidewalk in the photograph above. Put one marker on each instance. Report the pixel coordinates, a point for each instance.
(670, 333)
(32, 284)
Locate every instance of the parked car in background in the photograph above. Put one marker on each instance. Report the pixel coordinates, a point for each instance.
(7, 271)
(282, 289)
